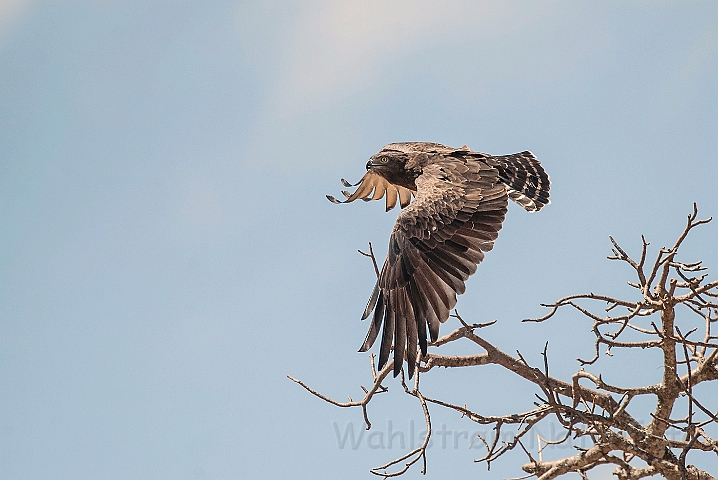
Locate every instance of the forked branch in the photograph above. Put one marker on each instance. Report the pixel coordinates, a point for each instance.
(600, 412)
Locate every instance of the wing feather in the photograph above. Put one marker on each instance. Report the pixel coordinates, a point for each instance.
(391, 195)
(404, 196)
(435, 308)
(379, 190)
(445, 272)
(372, 301)
(369, 183)
(373, 186)
(415, 328)
(435, 246)
(388, 333)
(401, 319)
(375, 323)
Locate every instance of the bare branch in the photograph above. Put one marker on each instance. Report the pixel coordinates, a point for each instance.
(414, 455)
(673, 433)
(376, 388)
(373, 259)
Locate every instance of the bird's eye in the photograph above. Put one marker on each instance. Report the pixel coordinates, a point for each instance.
(384, 160)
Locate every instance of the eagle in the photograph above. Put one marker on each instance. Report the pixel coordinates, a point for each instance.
(460, 199)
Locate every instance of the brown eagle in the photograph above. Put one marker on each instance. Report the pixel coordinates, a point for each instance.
(461, 198)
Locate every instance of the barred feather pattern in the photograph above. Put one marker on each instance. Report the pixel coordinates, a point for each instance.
(527, 181)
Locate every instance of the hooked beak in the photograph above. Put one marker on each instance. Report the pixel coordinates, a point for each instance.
(369, 165)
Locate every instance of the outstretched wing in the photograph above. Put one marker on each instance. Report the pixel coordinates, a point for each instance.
(435, 246)
(373, 186)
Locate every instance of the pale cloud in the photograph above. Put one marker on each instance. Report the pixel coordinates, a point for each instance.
(312, 55)
(8, 8)
(339, 47)
(334, 49)
(11, 12)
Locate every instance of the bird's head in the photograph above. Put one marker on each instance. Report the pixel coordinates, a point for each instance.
(391, 164)
(387, 174)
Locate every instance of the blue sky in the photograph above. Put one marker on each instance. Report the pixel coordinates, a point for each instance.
(167, 254)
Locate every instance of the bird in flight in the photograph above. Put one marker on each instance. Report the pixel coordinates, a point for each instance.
(460, 200)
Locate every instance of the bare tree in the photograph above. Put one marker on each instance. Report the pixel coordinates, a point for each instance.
(585, 406)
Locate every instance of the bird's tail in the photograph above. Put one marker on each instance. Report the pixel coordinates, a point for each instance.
(527, 181)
